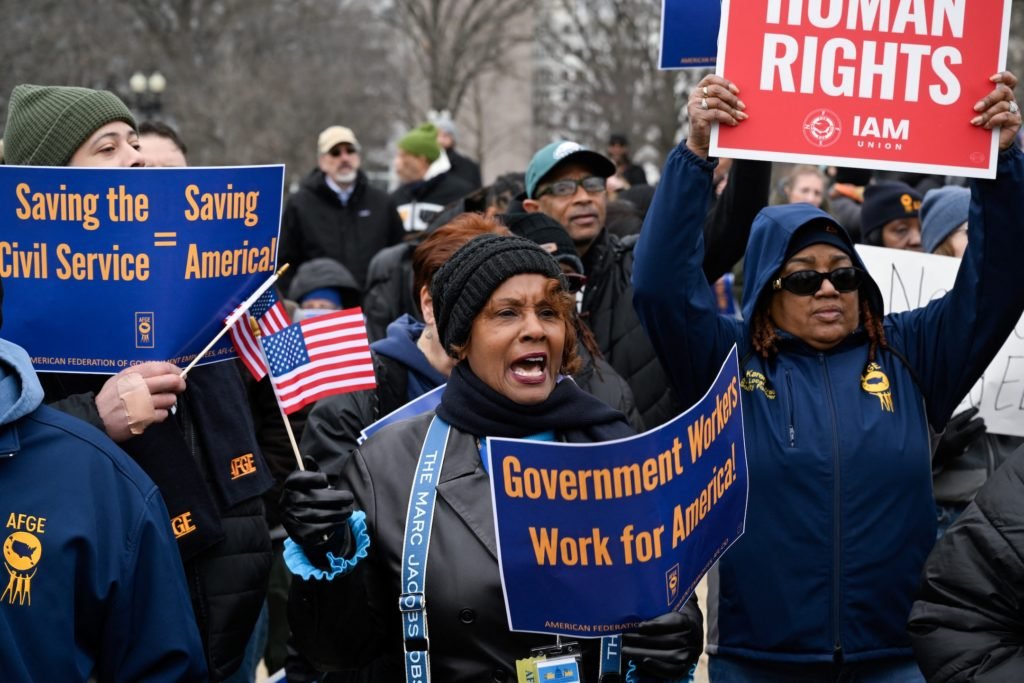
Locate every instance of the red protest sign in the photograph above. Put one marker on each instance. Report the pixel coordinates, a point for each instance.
(886, 84)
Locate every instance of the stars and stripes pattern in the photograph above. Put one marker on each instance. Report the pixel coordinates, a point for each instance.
(270, 315)
(320, 356)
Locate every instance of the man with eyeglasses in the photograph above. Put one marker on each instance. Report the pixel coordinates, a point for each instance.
(567, 182)
(336, 212)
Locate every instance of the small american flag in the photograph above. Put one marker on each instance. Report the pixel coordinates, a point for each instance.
(320, 356)
(269, 313)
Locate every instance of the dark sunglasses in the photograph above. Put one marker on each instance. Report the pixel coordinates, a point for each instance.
(575, 281)
(567, 186)
(808, 282)
(336, 151)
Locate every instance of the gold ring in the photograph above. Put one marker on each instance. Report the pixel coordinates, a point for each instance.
(705, 91)
(703, 103)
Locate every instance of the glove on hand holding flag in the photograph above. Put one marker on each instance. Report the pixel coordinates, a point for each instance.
(269, 314)
(320, 356)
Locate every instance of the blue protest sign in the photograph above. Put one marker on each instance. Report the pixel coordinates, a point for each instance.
(417, 406)
(689, 33)
(104, 268)
(593, 538)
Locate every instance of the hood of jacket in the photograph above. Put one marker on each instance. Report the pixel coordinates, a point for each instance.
(400, 345)
(320, 273)
(20, 391)
(770, 234)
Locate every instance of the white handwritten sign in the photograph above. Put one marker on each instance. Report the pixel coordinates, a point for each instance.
(909, 280)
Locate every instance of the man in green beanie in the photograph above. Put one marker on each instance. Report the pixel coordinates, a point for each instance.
(427, 183)
(181, 450)
(66, 126)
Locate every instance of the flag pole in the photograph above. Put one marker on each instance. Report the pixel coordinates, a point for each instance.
(235, 315)
(284, 416)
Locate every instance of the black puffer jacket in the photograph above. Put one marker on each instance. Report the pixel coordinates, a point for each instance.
(315, 223)
(968, 621)
(388, 293)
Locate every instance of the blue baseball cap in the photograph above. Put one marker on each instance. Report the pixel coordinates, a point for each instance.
(560, 152)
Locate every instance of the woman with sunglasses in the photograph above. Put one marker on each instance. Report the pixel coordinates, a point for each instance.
(839, 404)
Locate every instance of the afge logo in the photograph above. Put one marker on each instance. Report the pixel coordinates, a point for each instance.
(822, 128)
(242, 465)
(22, 551)
(672, 584)
(874, 381)
(144, 337)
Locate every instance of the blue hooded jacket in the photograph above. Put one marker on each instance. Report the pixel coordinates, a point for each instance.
(841, 515)
(93, 584)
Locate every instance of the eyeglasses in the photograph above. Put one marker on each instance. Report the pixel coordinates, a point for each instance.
(575, 281)
(567, 186)
(336, 151)
(808, 282)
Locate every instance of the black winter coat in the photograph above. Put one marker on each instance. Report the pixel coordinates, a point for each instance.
(315, 223)
(968, 621)
(353, 619)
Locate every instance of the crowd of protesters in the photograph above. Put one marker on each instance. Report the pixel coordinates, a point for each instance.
(617, 284)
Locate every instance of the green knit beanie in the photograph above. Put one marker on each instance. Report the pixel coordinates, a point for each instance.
(46, 124)
(421, 141)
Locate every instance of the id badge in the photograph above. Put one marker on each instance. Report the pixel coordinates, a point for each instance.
(555, 664)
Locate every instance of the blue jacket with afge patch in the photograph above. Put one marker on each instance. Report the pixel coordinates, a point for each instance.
(92, 583)
(841, 515)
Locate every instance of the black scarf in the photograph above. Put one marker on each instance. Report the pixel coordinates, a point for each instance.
(471, 406)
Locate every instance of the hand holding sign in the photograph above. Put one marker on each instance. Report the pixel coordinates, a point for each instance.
(137, 397)
(999, 108)
(713, 100)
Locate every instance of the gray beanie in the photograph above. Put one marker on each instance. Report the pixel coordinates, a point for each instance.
(943, 210)
(46, 124)
(463, 284)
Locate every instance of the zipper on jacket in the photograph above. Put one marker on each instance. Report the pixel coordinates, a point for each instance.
(837, 644)
(792, 410)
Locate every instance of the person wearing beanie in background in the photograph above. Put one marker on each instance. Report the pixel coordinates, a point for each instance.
(944, 220)
(345, 542)
(427, 182)
(186, 453)
(462, 166)
(889, 216)
(967, 454)
(336, 212)
(93, 588)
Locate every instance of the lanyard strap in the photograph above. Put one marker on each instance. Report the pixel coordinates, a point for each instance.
(418, 521)
(611, 656)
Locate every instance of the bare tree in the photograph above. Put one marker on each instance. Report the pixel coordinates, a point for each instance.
(457, 42)
(600, 74)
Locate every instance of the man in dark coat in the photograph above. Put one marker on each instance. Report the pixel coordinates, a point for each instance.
(607, 306)
(336, 212)
(462, 166)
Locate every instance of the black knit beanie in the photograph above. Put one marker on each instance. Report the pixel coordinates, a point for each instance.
(46, 124)
(463, 284)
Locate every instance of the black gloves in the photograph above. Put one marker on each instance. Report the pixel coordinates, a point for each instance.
(315, 515)
(667, 646)
(961, 431)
